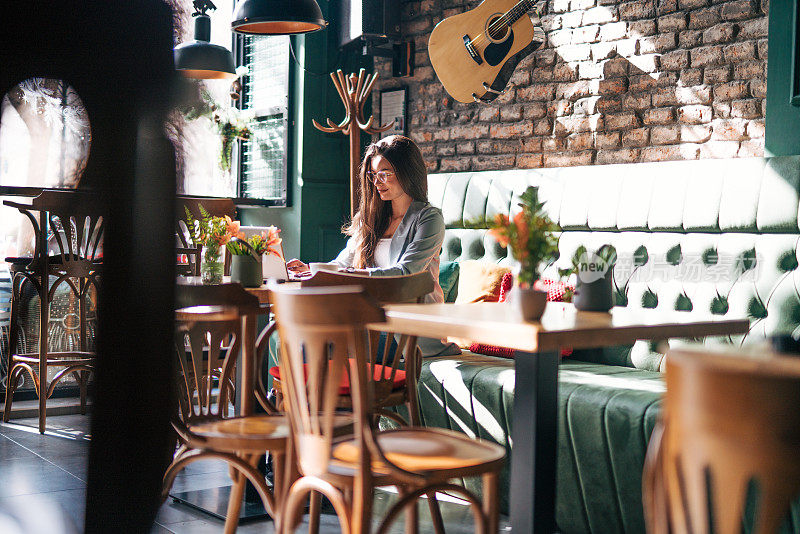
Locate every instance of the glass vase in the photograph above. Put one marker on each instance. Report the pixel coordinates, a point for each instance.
(211, 265)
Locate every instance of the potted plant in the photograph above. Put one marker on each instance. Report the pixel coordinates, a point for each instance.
(594, 271)
(533, 241)
(247, 254)
(211, 233)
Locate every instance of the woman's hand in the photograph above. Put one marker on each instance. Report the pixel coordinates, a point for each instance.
(296, 266)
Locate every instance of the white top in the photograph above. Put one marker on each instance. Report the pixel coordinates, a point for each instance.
(382, 256)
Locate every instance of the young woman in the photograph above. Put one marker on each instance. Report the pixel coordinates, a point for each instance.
(395, 231)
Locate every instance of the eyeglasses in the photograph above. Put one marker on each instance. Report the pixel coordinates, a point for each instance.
(382, 176)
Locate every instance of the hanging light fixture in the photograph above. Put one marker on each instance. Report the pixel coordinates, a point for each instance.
(277, 17)
(199, 58)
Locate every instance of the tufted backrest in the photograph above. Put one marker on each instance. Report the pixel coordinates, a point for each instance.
(706, 237)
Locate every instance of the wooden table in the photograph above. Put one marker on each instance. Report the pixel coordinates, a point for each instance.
(537, 345)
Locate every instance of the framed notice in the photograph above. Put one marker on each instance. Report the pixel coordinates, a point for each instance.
(794, 94)
(393, 107)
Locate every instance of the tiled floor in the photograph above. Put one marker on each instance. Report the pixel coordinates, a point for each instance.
(47, 474)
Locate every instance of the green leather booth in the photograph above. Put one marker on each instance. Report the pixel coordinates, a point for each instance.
(704, 237)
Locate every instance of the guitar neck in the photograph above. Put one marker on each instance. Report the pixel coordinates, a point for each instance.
(522, 7)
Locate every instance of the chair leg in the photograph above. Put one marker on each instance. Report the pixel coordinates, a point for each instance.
(43, 387)
(11, 385)
(490, 501)
(83, 377)
(412, 515)
(235, 502)
(314, 511)
(44, 319)
(436, 513)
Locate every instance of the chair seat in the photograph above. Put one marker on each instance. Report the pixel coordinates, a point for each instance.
(428, 450)
(255, 431)
(384, 371)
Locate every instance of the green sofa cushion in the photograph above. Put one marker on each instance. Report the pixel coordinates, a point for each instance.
(448, 280)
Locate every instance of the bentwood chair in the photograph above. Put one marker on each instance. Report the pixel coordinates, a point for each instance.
(208, 340)
(68, 232)
(323, 333)
(218, 207)
(728, 420)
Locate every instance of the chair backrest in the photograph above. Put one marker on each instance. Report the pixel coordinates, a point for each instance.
(728, 420)
(208, 327)
(218, 207)
(74, 220)
(382, 351)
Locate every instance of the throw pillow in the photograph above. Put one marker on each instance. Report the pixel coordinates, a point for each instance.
(448, 280)
(479, 281)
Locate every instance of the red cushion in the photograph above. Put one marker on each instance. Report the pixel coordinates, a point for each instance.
(399, 381)
(555, 293)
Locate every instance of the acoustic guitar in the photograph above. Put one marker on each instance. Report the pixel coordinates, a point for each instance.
(475, 53)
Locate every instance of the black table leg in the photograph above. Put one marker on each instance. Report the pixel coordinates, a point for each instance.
(535, 438)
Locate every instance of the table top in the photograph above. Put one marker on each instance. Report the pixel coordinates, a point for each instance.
(261, 292)
(561, 325)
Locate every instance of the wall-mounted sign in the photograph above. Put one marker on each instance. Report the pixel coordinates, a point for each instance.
(393, 107)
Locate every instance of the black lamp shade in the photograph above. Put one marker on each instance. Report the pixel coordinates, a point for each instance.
(277, 17)
(201, 59)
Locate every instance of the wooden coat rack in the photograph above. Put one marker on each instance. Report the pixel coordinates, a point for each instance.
(354, 91)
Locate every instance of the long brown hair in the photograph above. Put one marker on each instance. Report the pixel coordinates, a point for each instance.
(374, 214)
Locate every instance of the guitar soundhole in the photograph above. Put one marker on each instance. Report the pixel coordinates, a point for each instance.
(497, 30)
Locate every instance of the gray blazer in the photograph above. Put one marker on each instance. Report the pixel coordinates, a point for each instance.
(415, 246)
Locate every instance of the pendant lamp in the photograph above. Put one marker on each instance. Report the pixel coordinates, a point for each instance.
(199, 58)
(277, 17)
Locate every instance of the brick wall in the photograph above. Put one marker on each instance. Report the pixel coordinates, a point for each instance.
(615, 82)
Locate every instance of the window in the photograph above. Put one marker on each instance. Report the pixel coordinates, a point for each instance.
(265, 95)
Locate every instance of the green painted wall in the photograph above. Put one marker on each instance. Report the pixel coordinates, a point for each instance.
(783, 119)
(319, 162)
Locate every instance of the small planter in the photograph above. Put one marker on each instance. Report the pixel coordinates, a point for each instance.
(530, 302)
(246, 270)
(211, 265)
(595, 295)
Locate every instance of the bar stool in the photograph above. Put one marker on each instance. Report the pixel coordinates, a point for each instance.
(75, 223)
(728, 419)
(323, 337)
(207, 343)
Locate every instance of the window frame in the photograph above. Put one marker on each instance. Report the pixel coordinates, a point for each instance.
(286, 201)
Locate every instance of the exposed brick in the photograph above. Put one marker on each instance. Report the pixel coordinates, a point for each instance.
(564, 72)
(432, 165)
(690, 38)
(573, 90)
(704, 18)
(636, 10)
(554, 144)
(747, 109)
(559, 108)
(534, 110)
(520, 77)
(545, 57)
(739, 51)
(751, 149)
(529, 161)
(453, 164)
(543, 127)
(756, 129)
(518, 129)
(695, 133)
(511, 113)
(721, 109)
(690, 77)
(637, 137)
(675, 60)
(672, 152)
(755, 28)
(665, 96)
(706, 55)
(738, 10)
(641, 83)
(469, 131)
(624, 155)
(728, 129)
(609, 104)
(695, 114)
(614, 86)
(692, 4)
(537, 92)
(667, 6)
(693, 95)
(665, 135)
(563, 126)
(719, 149)
(642, 27)
(489, 114)
(636, 101)
(498, 146)
(658, 116)
(586, 106)
(601, 51)
(721, 74)
(607, 139)
(531, 144)
(483, 163)
(467, 147)
(672, 22)
(568, 159)
(621, 121)
(665, 41)
(580, 141)
(721, 33)
(446, 150)
(749, 70)
(731, 91)
(763, 46)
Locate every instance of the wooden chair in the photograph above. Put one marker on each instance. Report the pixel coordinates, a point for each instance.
(207, 343)
(75, 225)
(324, 337)
(728, 420)
(218, 207)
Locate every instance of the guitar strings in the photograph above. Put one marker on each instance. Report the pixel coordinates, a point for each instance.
(504, 20)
